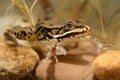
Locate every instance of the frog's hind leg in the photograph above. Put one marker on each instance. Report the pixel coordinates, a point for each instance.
(10, 37)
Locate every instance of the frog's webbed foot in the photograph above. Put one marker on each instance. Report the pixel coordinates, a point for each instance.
(50, 55)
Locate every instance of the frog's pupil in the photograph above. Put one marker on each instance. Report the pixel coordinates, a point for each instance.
(70, 24)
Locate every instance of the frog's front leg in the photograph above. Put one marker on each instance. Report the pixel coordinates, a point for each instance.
(10, 37)
(51, 53)
(54, 51)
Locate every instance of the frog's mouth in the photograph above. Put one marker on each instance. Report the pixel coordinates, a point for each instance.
(73, 33)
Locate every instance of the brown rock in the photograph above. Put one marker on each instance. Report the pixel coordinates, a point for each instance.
(66, 69)
(107, 66)
(17, 61)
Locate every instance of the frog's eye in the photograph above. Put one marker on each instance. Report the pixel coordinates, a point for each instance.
(70, 24)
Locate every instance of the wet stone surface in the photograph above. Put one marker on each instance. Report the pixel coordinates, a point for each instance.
(16, 62)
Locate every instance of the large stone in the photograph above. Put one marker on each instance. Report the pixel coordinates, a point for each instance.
(107, 66)
(16, 62)
(68, 68)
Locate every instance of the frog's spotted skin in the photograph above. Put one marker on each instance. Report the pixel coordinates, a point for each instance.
(20, 33)
(44, 32)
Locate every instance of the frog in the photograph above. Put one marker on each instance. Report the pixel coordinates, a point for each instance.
(43, 32)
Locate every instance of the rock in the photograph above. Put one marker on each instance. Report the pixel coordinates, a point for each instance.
(16, 61)
(107, 66)
(50, 70)
(3, 45)
(41, 70)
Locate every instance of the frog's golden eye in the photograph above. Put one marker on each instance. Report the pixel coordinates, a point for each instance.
(70, 24)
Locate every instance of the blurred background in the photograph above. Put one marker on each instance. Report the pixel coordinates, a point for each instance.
(103, 16)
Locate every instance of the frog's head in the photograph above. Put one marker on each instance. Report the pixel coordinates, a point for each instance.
(73, 28)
